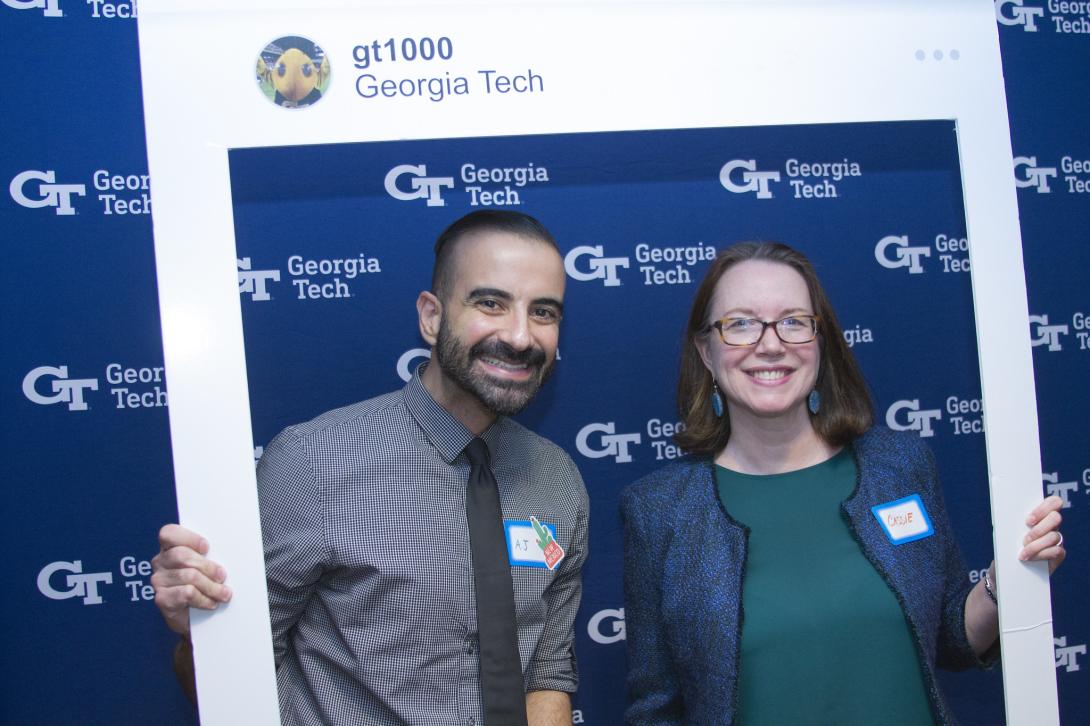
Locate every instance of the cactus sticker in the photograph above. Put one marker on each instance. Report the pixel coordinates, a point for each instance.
(554, 553)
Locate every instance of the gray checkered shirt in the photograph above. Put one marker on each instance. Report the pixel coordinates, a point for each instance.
(370, 578)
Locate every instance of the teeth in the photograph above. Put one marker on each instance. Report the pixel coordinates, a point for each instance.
(768, 375)
(504, 364)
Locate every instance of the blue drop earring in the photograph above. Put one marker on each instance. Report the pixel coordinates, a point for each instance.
(717, 400)
(813, 402)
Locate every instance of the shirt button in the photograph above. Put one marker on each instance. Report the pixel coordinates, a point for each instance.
(471, 646)
(472, 721)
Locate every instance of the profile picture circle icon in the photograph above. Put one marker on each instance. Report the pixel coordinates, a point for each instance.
(293, 72)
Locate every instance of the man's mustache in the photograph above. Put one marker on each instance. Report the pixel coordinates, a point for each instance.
(502, 351)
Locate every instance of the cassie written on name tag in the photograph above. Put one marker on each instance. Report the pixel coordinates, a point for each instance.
(531, 543)
(904, 520)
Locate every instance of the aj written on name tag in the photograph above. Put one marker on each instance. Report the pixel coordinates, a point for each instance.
(531, 543)
(904, 520)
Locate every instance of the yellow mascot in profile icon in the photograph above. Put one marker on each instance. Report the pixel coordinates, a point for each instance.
(293, 72)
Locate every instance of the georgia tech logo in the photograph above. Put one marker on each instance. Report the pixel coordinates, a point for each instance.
(50, 8)
(752, 180)
(601, 267)
(65, 390)
(253, 281)
(1062, 489)
(916, 419)
(1044, 334)
(903, 255)
(405, 362)
(615, 619)
(423, 186)
(615, 445)
(79, 583)
(1033, 176)
(1067, 655)
(50, 194)
(1026, 16)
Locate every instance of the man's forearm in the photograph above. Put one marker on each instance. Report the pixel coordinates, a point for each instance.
(183, 669)
(548, 708)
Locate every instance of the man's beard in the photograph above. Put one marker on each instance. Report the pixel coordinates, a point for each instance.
(501, 396)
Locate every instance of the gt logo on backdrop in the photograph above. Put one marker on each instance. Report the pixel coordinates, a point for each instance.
(807, 179)
(66, 580)
(607, 626)
(254, 281)
(1041, 333)
(407, 362)
(901, 254)
(46, 193)
(1014, 12)
(50, 8)
(99, 8)
(77, 582)
(751, 179)
(1067, 656)
(422, 185)
(966, 416)
(65, 390)
(142, 387)
(894, 251)
(598, 266)
(658, 264)
(1066, 16)
(500, 186)
(119, 194)
(1027, 174)
(914, 419)
(1050, 336)
(610, 442)
(1062, 489)
(312, 279)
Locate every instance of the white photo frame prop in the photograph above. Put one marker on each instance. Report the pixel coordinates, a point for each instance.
(659, 65)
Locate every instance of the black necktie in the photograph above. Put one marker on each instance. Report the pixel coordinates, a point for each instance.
(502, 693)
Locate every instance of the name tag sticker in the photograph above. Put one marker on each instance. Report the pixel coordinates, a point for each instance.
(904, 520)
(531, 543)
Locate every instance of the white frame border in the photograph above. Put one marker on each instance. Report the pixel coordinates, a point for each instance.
(747, 64)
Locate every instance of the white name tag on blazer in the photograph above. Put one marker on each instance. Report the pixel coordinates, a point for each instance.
(904, 520)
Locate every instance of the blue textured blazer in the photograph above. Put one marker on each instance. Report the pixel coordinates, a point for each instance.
(685, 560)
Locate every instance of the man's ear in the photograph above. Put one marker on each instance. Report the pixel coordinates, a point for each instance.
(429, 313)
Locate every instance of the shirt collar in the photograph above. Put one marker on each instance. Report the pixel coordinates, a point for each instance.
(446, 433)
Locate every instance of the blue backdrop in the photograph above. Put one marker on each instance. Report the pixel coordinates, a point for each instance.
(330, 263)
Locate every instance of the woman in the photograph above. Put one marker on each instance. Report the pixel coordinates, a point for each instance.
(854, 588)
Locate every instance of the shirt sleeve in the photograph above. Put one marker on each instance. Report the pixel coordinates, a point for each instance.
(292, 527)
(553, 667)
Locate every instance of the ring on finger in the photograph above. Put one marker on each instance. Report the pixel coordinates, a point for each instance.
(1060, 544)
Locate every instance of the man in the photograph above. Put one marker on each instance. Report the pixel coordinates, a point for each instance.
(371, 555)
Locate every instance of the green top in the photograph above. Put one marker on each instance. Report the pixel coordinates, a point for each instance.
(824, 640)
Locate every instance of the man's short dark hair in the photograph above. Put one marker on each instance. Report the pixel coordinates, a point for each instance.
(484, 220)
